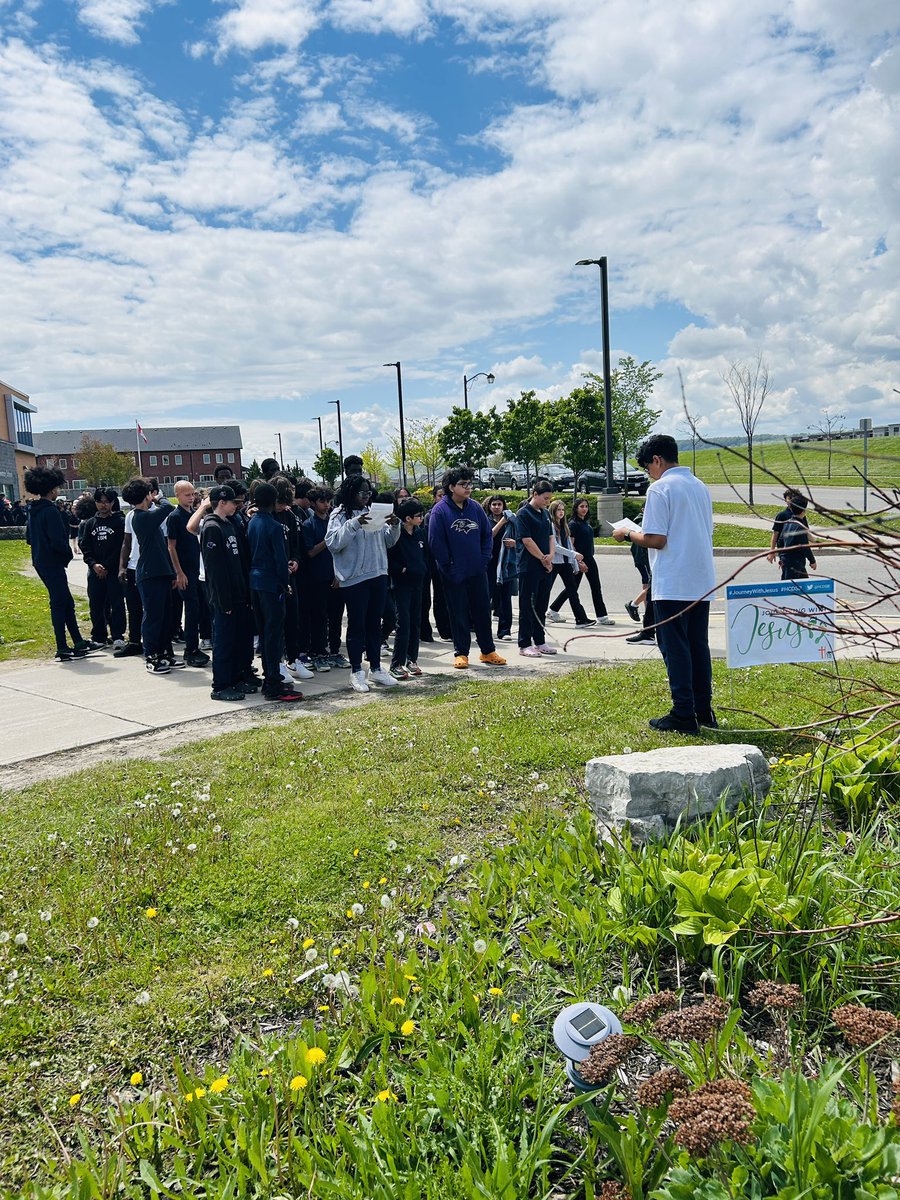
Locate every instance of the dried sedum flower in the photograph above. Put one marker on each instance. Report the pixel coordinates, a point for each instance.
(783, 997)
(653, 1091)
(861, 1026)
(612, 1190)
(698, 1023)
(648, 1009)
(606, 1057)
(716, 1112)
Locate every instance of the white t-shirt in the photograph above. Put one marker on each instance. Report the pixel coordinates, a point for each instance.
(135, 548)
(679, 505)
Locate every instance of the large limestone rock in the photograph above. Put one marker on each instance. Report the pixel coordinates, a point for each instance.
(649, 792)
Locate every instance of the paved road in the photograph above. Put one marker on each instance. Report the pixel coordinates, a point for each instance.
(766, 491)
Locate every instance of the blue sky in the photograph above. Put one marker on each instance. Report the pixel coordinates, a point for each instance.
(236, 212)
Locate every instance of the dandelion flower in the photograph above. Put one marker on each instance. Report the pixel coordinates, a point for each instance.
(391, 846)
(407, 1027)
(366, 885)
(495, 991)
(410, 978)
(308, 942)
(265, 1073)
(386, 1095)
(515, 1018)
(336, 952)
(268, 972)
(219, 1085)
(315, 1055)
(479, 945)
(21, 939)
(293, 923)
(46, 915)
(73, 1100)
(4, 936)
(298, 1083)
(93, 922)
(385, 902)
(397, 1001)
(142, 999)
(324, 1008)
(356, 853)
(311, 954)
(355, 910)
(137, 1079)
(150, 913)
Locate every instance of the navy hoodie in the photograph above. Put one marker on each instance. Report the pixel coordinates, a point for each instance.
(268, 555)
(460, 539)
(47, 534)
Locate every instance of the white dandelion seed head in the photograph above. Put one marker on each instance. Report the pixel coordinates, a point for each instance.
(12, 976)
(479, 945)
(4, 936)
(311, 954)
(542, 787)
(142, 999)
(293, 923)
(400, 937)
(385, 901)
(357, 909)
(475, 750)
(46, 915)
(191, 847)
(391, 846)
(217, 829)
(93, 922)
(21, 939)
(458, 859)
(627, 750)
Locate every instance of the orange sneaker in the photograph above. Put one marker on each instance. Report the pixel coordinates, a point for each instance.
(460, 662)
(493, 659)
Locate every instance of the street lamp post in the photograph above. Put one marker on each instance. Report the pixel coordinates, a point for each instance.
(489, 376)
(280, 451)
(321, 443)
(607, 375)
(402, 429)
(340, 435)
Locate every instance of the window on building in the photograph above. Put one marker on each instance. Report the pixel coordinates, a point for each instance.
(177, 460)
(152, 460)
(207, 479)
(230, 457)
(79, 485)
(62, 464)
(168, 479)
(165, 460)
(24, 435)
(220, 458)
(206, 459)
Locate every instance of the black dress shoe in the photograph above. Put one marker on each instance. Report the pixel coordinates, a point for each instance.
(641, 637)
(707, 720)
(129, 650)
(672, 724)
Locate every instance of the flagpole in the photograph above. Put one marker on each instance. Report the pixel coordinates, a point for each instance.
(137, 443)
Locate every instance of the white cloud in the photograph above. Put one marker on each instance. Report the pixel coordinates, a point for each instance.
(116, 20)
(252, 24)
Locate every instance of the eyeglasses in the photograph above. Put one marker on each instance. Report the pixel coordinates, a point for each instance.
(465, 483)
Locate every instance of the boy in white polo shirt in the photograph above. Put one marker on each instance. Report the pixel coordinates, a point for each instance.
(677, 531)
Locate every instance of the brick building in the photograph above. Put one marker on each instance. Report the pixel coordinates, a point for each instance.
(16, 441)
(192, 452)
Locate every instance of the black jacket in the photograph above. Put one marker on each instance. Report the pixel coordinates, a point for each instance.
(225, 564)
(100, 541)
(406, 558)
(48, 535)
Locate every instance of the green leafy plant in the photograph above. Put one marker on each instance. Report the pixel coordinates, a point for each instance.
(857, 778)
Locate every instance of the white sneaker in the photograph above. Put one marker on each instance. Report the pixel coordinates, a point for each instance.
(554, 616)
(605, 621)
(380, 675)
(285, 673)
(300, 670)
(358, 681)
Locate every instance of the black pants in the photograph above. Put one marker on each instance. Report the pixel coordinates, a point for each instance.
(534, 592)
(570, 581)
(469, 605)
(186, 611)
(292, 623)
(62, 606)
(389, 614)
(268, 614)
(501, 601)
(365, 604)
(300, 584)
(684, 642)
(156, 598)
(232, 645)
(135, 608)
(326, 611)
(107, 606)
(593, 578)
(407, 604)
(789, 572)
(438, 606)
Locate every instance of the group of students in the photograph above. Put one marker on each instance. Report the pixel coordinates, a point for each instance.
(277, 569)
(12, 512)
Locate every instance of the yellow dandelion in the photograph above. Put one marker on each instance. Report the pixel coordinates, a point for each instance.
(410, 978)
(383, 879)
(386, 1096)
(298, 1083)
(336, 953)
(150, 913)
(495, 991)
(415, 988)
(73, 1100)
(515, 1017)
(349, 914)
(219, 1085)
(366, 885)
(137, 1079)
(196, 1094)
(268, 972)
(265, 1073)
(308, 942)
(324, 1008)
(397, 1001)
(407, 1027)
(273, 941)
(315, 1055)
(426, 806)
(476, 996)
(356, 853)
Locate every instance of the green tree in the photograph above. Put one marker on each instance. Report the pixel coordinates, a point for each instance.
(525, 433)
(469, 438)
(100, 463)
(328, 465)
(394, 460)
(375, 466)
(577, 424)
(253, 471)
(423, 443)
(632, 386)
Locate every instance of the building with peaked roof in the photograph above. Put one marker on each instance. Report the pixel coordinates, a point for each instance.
(17, 452)
(168, 454)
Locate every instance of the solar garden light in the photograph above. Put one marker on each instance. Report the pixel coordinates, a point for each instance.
(579, 1027)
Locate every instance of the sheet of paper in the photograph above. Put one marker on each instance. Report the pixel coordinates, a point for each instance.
(378, 514)
(626, 523)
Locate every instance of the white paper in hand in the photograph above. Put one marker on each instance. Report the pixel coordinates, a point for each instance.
(377, 514)
(626, 523)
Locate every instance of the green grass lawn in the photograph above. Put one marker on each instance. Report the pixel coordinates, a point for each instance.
(723, 535)
(808, 462)
(169, 908)
(25, 612)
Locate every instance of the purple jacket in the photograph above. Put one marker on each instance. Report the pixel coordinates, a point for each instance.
(460, 541)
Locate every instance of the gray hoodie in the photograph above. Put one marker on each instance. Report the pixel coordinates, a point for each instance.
(358, 555)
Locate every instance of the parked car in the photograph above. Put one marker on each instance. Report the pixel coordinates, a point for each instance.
(561, 477)
(507, 475)
(635, 480)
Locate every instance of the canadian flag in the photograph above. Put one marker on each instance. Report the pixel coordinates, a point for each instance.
(141, 432)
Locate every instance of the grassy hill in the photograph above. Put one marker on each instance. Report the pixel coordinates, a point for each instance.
(809, 461)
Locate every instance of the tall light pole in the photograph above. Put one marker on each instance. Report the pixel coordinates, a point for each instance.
(280, 451)
(402, 428)
(607, 374)
(489, 376)
(321, 443)
(340, 435)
